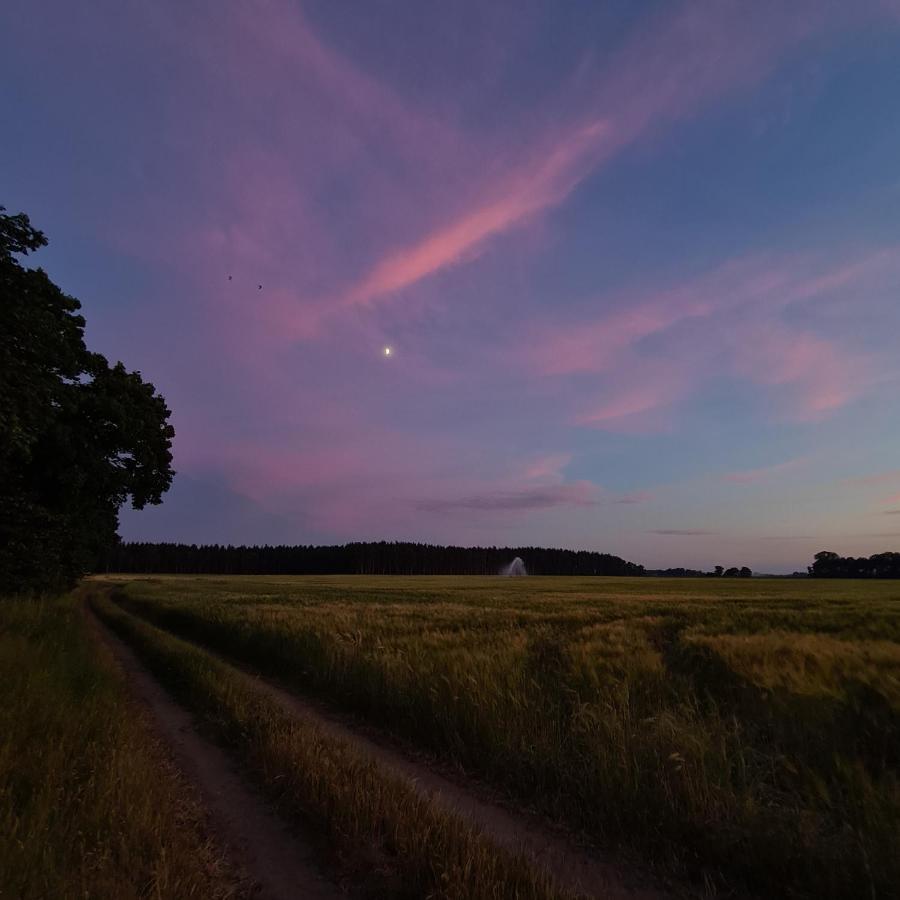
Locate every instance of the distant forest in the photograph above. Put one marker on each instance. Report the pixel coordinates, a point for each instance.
(880, 565)
(358, 559)
(406, 558)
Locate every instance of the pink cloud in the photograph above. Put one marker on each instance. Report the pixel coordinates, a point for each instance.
(596, 346)
(760, 284)
(547, 468)
(627, 409)
(729, 322)
(820, 375)
(667, 71)
(341, 486)
(527, 191)
(272, 230)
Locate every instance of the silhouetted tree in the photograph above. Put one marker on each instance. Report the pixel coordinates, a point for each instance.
(746, 572)
(677, 572)
(77, 436)
(828, 564)
(718, 571)
(733, 572)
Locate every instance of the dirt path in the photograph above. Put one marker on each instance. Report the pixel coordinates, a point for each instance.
(281, 864)
(573, 867)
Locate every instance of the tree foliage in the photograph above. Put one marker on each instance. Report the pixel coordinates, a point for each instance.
(78, 437)
(880, 565)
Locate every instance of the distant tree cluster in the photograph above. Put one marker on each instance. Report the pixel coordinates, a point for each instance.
(718, 572)
(831, 565)
(677, 572)
(734, 572)
(382, 558)
(78, 437)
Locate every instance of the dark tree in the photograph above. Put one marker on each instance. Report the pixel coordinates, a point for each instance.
(77, 437)
(746, 572)
(826, 564)
(677, 572)
(880, 565)
(733, 572)
(718, 571)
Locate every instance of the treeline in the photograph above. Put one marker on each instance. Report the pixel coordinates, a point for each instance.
(719, 572)
(380, 558)
(879, 565)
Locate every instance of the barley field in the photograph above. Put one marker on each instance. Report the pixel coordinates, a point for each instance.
(741, 734)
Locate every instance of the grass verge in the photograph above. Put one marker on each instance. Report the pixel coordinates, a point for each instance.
(380, 830)
(89, 804)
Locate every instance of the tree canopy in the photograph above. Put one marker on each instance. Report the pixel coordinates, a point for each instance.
(829, 564)
(78, 437)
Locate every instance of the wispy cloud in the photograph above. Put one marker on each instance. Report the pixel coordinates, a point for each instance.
(581, 493)
(634, 396)
(529, 190)
(685, 59)
(273, 148)
(740, 309)
(547, 468)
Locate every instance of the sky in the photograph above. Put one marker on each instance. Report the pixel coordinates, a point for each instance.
(638, 263)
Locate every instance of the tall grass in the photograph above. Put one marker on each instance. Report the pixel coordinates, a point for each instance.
(741, 734)
(89, 805)
(386, 835)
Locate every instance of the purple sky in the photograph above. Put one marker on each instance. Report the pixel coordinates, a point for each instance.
(638, 263)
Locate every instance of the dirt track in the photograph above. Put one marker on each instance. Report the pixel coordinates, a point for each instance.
(280, 863)
(571, 866)
(586, 873)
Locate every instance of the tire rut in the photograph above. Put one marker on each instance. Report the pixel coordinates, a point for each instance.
(584, 872)
(571, 867)
(280, 863)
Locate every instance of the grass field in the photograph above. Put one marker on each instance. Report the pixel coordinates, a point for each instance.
(89, 804)
(737, 733)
